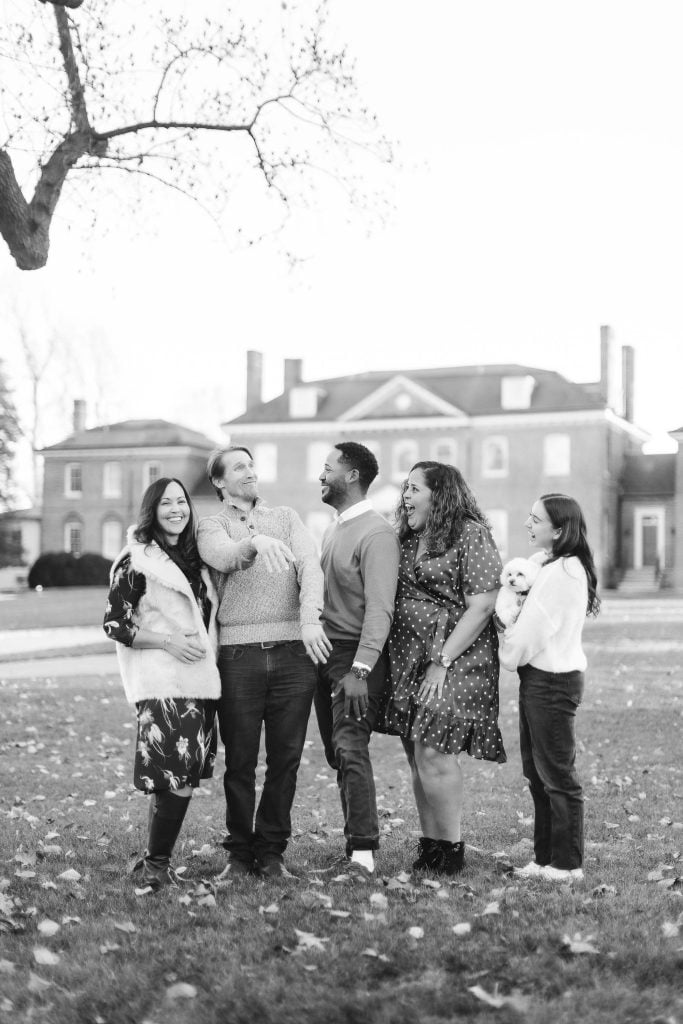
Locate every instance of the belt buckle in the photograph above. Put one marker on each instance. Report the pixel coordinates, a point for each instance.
(267, 644)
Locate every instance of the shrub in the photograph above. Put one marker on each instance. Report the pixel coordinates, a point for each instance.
(62, 569)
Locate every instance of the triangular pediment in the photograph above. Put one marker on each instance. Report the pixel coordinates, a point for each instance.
(400, 398)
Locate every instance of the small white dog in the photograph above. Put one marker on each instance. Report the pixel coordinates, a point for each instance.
(517, 578)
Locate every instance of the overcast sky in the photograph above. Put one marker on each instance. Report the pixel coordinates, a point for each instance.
(537, 196)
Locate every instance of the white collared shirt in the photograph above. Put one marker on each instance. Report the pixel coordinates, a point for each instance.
(353, 510)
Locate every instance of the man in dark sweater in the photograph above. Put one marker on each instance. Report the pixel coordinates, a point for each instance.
(360, 558)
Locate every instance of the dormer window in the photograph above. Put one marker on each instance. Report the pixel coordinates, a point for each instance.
(516, 392)
(303, 402)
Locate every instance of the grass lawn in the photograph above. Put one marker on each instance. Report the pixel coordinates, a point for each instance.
(86, 948)
(56, 606)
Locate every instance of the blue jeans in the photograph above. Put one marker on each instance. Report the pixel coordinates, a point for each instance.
(547, 711)
(346, 742)
(271, 687)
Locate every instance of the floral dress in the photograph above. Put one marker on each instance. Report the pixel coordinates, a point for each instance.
(177, 737)
(430, 600)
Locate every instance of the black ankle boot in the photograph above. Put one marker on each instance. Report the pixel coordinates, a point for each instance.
(427, 853)
(449, 858)
(166, 821)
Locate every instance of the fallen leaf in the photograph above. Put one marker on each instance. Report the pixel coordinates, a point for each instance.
(379, 900)
(109, 947)
(464, 928)
(603, 890)
(373, 953)
(416, 932)
(125, 926)
(307, 940)
(6, 906)
(578, 945)
(184, 900)
(36, 983)
(45, 957)
(48, 927)
(70, 875)
(491, 908)
(207, 901)
(144, 891)
(7, 967)
(204, 851)
(25, 874)
(271, 910)
(516, 1000)
(71, 920)
(431, 883)
(340, 914)
(181, 990)
(670, 929)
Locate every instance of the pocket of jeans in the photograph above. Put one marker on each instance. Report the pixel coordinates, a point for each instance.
(297, 648)
(230, 653)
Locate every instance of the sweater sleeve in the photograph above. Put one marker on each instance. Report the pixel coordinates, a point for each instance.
(541, 616)
(218, 550)
(308, 571)
(379, 561)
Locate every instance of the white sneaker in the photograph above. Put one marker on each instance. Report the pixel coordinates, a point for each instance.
(530, 870)
(551, 874)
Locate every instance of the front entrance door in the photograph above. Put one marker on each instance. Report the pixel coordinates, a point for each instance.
(648, 535)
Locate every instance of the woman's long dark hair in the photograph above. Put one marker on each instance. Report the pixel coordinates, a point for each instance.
(452, 504)
(184, 553)
(566, 516)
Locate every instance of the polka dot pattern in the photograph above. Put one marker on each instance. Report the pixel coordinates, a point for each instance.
(429, 603)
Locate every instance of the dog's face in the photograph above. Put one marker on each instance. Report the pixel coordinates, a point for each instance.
(518, 575)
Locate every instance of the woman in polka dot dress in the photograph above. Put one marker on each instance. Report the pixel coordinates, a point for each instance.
(443, 652)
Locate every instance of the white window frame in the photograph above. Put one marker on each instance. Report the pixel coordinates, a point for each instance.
(265, 460)
(71, 467)
(107, 551)
(112, 480)
(550, 457)
(494, 472)
(316, 453)
(445, 441)
(69, 525)
(406, 446)
(146, 471)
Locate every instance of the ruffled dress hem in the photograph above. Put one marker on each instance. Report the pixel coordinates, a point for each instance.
(445, 733)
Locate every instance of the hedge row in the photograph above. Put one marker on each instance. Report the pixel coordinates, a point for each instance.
(61, 569)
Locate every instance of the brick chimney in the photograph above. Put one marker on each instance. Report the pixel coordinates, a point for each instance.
(79, 415)
(293, 373)
(627, 380)
(254, 378)
(610, 371)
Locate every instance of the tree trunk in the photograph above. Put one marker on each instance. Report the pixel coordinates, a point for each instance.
(28, 241)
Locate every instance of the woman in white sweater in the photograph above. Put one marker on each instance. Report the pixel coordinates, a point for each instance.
(161, 611)
(544, 647)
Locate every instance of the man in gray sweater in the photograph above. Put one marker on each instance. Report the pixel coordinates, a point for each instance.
(270, 587)
(360, 559)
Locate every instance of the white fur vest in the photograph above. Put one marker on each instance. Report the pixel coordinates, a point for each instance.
(167, 606)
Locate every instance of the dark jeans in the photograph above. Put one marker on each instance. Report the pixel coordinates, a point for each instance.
(547, 710)
(346, 742)
(271, 687)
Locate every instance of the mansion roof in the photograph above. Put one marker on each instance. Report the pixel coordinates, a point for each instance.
(464, 390)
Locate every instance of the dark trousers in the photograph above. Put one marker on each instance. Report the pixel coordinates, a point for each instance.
(346, 742)
(271, 687)
(547, 711)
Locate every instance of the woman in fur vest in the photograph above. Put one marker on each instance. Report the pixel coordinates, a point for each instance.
(161, 612)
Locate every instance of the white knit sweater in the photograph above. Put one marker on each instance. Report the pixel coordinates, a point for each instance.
(547, 633)
(167, 606)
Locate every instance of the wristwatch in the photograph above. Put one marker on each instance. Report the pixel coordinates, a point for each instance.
(444, 661)
(360, 671)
